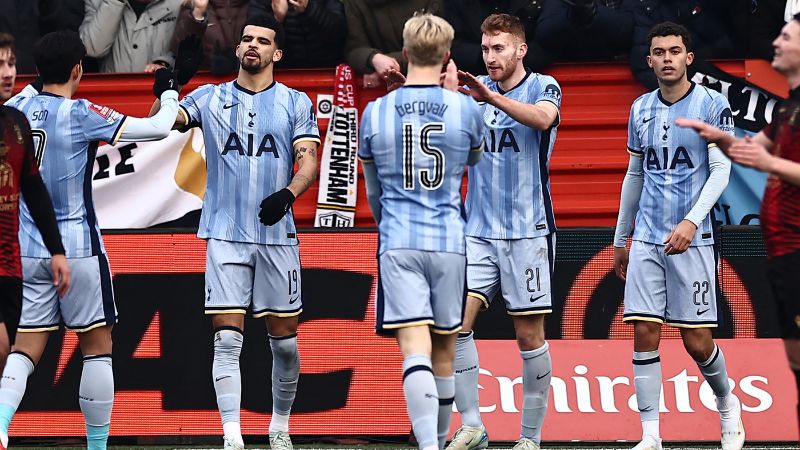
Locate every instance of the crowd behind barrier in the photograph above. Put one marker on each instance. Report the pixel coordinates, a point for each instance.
(142, 35)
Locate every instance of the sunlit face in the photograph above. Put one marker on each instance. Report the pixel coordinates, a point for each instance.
(502, 53)
(787, 49)
(8, 73)
(668, 58)
(257, 49)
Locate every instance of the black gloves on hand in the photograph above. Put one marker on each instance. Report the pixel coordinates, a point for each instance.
(274, 207)
(164, 81)
(188, 58)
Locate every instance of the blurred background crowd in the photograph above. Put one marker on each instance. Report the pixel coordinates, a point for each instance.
(142, 35)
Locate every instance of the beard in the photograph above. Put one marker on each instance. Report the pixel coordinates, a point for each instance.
(253, 67)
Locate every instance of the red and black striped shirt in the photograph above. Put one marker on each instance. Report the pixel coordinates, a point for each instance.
(19, 174)
(780, 208)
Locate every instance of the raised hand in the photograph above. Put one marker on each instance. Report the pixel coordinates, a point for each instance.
(477, 90)
(188, 58)
(279, 9)
(394, 79)
(449, 78)
(164, 81)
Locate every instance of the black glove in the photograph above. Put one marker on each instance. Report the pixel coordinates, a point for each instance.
(38, 84)
(274, 207)
(164, 81)
(188, 58)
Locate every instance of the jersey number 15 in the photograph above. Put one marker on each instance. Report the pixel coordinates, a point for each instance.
(430, 178)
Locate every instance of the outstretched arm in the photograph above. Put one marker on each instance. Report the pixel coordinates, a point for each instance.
(541, 115)
(723, 139)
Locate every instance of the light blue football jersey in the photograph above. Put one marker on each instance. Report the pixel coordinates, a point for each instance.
(675, 159)
(419, 138)
(509, 190)
(249, 139)
(66, 134)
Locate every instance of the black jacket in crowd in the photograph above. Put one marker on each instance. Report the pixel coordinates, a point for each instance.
(315, 37)
(708, 21)
(466, 17)
(28, 20)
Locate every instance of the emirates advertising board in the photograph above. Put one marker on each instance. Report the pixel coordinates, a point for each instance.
(350, 382)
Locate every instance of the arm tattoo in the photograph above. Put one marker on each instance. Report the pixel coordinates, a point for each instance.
(301, 151)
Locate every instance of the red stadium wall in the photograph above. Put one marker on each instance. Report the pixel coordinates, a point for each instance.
(350, 381)
(589, 158)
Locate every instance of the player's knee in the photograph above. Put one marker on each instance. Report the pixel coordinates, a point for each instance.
(530, 341)
(646, 335)
(96, 341)
(284, 348)
(699, 349)
(228, 342)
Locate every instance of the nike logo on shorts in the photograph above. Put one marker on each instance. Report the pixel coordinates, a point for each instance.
(292, 301)
(700, 312)
(533, 299)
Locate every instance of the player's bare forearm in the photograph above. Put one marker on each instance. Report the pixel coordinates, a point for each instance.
(305, 153)
(540, 116)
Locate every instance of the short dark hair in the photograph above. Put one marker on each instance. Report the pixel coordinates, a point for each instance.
(670, 29)
(503, 23)
(796, 17)
(56, 54)
(266, 21)
(7, 41)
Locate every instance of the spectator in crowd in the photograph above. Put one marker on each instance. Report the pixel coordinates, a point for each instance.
(226, 18)
(708, 21)
(586, 30)
(375, 35)
(28, 20)
(132, 35)
(466, 16)
(315, 30)
(757, 23)
(8, 66)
